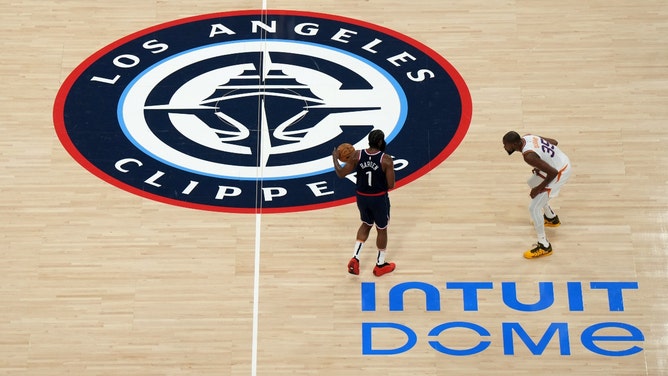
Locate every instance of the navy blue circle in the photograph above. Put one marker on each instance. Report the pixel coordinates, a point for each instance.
(85, 113)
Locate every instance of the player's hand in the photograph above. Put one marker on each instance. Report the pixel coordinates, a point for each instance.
(536, 191)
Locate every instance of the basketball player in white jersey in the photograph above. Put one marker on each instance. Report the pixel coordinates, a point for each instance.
(551, 170)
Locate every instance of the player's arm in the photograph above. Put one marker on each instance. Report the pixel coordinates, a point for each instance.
(348, 168)
(388, 168)
(550, 172)
(551, 140)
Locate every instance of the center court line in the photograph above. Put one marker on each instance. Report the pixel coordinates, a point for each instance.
(258, 230)
(256, 292)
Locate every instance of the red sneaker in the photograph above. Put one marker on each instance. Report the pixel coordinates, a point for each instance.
(354, 266)
(379, 270)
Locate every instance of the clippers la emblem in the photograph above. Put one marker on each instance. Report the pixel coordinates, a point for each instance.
(239, 111)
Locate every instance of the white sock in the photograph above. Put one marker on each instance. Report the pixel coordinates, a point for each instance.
(381, 257)
(543, 240)
(358, 249)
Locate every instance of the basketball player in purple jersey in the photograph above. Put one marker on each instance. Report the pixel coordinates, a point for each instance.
(551, 170)
(375, 177)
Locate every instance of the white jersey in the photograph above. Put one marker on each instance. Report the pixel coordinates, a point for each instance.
(553, 156)
(546, 151)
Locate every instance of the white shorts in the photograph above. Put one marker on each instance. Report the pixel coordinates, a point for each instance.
(554, 187)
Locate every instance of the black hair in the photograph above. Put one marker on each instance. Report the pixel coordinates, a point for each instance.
(377, 139)
(511, 137)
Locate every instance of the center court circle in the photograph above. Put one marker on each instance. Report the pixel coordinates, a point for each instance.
(239, 111)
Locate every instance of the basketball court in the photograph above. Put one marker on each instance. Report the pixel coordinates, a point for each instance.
(96, 279)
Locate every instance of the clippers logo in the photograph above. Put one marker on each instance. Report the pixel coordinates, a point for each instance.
(239, 112)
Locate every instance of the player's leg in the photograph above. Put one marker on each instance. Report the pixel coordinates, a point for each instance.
(363, 231)
(550, 218)
(381, 238)
(543, 246)
(362, 234)
(382, 215)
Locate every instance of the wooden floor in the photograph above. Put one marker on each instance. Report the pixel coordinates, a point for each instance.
(97, 281)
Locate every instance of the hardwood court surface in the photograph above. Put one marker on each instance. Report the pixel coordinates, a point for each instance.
(97, 281)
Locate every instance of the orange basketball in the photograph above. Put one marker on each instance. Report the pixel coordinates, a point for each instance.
(345, 150)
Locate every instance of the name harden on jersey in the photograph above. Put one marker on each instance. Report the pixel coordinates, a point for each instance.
(369, 164)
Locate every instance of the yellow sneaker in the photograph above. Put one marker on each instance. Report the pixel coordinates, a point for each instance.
(538, 251)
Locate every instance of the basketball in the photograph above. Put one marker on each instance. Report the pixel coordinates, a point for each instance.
(345, 151)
